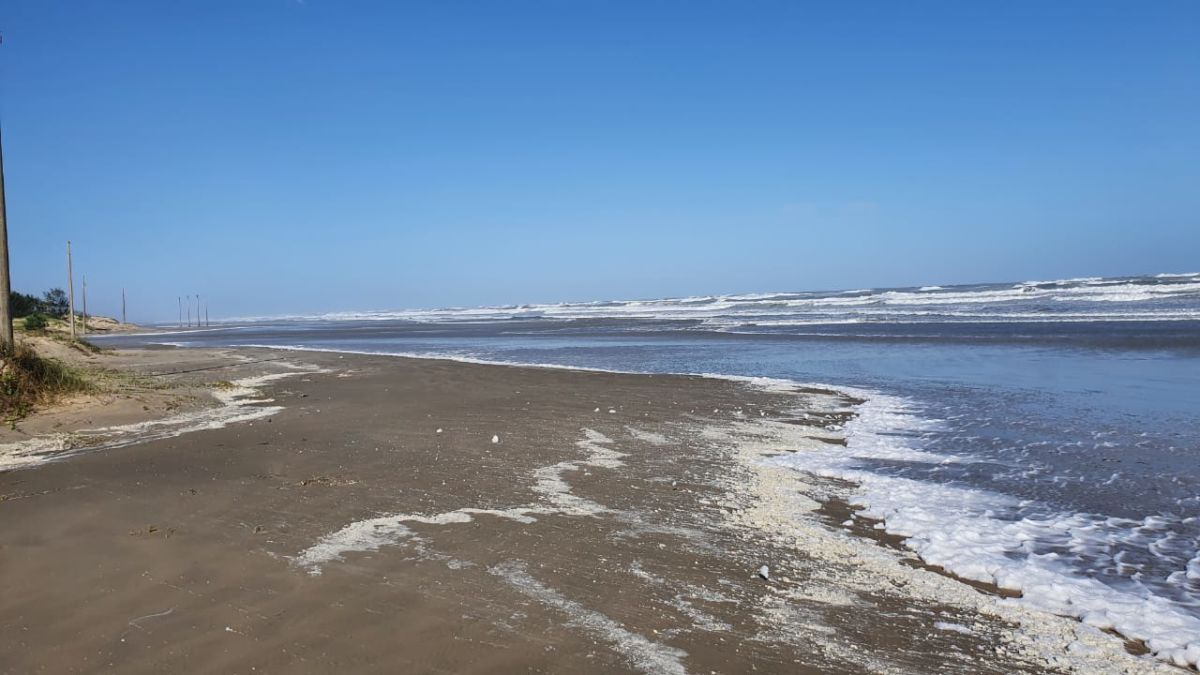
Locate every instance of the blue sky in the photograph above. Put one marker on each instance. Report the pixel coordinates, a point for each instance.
(279, 156)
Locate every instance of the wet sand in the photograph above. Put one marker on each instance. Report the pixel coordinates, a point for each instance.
(403, 515)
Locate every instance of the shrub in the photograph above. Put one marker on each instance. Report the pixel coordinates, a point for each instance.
(27, 379)
(55, 303)
(35, 321)
(21, 304)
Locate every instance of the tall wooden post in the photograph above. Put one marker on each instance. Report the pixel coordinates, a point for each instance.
(6, 329)
(70, 290)
(206, 323)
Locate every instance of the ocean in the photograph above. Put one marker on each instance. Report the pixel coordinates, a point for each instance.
(1043, 436)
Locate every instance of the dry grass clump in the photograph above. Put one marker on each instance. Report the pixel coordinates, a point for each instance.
(87, 347)
(27, 379)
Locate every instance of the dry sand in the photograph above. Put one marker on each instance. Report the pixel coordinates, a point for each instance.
(330, 513)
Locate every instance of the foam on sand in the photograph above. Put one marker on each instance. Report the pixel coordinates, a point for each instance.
(641, 653)
(965, 530)
(373, 534)
(239, 403)
(555, 498)
(771, 497)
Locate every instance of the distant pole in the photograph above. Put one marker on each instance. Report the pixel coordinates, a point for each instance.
(206, 323)
(122, 305)
(70, 290)
(198, 310)
(85, 304)
(189, 325)
(6, 328)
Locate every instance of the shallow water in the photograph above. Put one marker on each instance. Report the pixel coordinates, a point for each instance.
(1043, 435)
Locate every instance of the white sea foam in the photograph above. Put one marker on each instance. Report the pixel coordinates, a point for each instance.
(773, 499)
(181, 331)
(373, 534)
(912, 317)
(963, 530)
(641, 653)
(240, 403)
(827, 306)
(650, 437)
(437, 356)
(953, 627)
(1193, 568)
(774, 384)
(550, 485)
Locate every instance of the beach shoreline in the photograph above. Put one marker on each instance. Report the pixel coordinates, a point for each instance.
(375, 513)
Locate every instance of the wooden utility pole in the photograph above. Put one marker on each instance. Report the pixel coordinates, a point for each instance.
(85, 304)
(70, 290)
(122, 305)
(206, 323)
(6, 329)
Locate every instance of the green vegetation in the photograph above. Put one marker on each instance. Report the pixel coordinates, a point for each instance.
(36, 321)
(52, 303)
(27, 379)
(22, 304)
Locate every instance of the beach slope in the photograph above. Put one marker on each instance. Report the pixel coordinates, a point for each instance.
(375, 514)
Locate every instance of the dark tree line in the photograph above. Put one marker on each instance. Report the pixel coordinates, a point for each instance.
(53, 303)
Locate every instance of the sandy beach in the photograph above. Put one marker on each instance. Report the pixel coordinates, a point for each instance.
(599, 337)
(316, 512)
